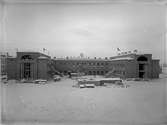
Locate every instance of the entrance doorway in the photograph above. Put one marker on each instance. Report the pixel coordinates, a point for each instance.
(27, 71)
(141, 70)
(141, 67)
(141, 74)
(142, 61)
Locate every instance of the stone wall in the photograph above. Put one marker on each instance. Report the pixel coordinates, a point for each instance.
(43, 69)
(11, 68)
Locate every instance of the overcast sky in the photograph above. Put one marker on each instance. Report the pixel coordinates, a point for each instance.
(93, 29)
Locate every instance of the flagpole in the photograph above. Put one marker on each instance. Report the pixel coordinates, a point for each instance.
(118, 51)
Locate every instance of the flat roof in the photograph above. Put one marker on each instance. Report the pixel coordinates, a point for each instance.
(124, 58)
(74, 59)
(81, 59)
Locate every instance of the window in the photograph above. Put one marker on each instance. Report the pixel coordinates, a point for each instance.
(27, 70)
(141, 66)
(26, 57)
(142, 58)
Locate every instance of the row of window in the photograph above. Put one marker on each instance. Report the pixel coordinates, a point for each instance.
(91, 72)
(81, 63)
(100, 72)
(104, 72)
(97, 72)
(89, 63)
(120, 72)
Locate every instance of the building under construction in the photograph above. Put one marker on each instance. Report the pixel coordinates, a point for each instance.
(127, 66)
(29, 65)
(35, 65)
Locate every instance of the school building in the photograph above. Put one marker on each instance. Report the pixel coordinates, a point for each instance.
(127, 66)
(35, 65)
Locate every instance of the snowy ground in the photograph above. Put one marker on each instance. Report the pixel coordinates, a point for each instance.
(144, 102)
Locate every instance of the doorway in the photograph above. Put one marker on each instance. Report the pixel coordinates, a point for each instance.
(141, 70)
(27, 71)
(142, 66)
(141, 74)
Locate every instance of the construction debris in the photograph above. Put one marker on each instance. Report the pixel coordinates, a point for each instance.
(83, 83)
(40, 81)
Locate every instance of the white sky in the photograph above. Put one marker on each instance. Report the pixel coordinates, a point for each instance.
(93, 29)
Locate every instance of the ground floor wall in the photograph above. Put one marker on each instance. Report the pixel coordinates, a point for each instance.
(30, 70)
(11, 68)
(155, 69)
(124, 68)
(41, 68)
(27, 70)
(131, 70)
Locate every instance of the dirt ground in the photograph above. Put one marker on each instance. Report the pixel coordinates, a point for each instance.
(144, 102)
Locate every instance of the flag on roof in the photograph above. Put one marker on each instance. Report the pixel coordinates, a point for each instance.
(135, 51)
(44, 49)
(118, 49)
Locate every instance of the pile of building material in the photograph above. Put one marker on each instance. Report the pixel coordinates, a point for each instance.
(113, 74)
(109, 80)
(40, 81)
(87, 83)
(98, 82)
(4, 78)
(56, 78)
(76, 74)
(137, 79)
(26, 81)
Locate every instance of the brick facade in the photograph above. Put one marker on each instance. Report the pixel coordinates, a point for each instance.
(28, 65)
(128, 66)
(34, 65)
